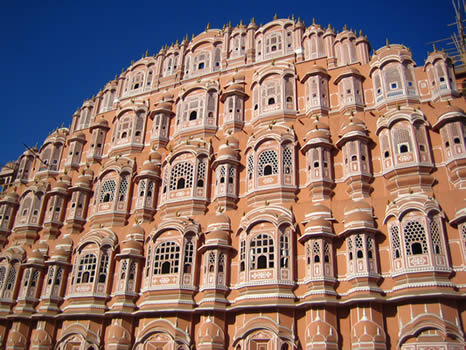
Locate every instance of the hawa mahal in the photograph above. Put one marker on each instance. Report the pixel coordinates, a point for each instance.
(256, 187)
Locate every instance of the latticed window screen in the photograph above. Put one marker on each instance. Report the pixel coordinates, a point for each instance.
(221, 174)
(35, 276)
(267, 159)
(316, 251)
(86, 269)
(415, 238)
(150, 189)
(284, 250)
(326, 252)
(221, 262)
(58, 276)
(242, 251)
(401, 136)
(435, 234)
(396, 245)
(132, 271)
(142, 187)
(124, 268)
(370, 247)
(50, 274)
(10, 281)
(2, 276)
(123, 189)
(181, 171)
(26, 277)
(420, 134)
(287, 160)
(211, 262)
(103, 268)
(262, 252)
(250, 164)
(231, 175)
(463, 233)
(188, 255)
(201, 171)
(166, 258)
(108, 191)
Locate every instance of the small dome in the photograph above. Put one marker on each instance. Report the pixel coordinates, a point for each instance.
(155, 156)
(235, 87)
(83, 181)
(219, 221)
(149, 166)
(60, 254)
(89, 172)
(319, 223)
(353, 206)
(217, 236)
(232, 141)
(35, 257)
(225, 151)
(238, 77)
(131, 246)
(101, 122)
(66, 241)
(318, 211)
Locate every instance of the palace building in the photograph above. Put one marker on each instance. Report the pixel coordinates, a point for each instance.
(257, 187)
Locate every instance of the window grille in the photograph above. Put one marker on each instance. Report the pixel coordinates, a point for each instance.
(124, 267)
(50, 274)
(250, 165)
(35, 276)
(182, 170)
(10, 281)
(242, 254)
(103, 268)
(435, 234)
(221, 174)
(262, 252)
(188, 256)
(401, 136)
(415, 238)
(284, 250)
(2, 276)
(267, 159)
(211, 264)
(86, 269)
(142, 187)
(221, 262)
(370, 247)
(132, 271)
(123, 188)
(166, 258)
(326, 252)
(58, 276)
(396, 245)
(287, 160)
(26, 277)
(107, 192)
(231, 175)
(316, 251)
(201, 170)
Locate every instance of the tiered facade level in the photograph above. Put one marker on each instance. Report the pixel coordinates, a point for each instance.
(272, 187)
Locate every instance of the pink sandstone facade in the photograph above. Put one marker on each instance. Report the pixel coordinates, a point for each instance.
(272, 187)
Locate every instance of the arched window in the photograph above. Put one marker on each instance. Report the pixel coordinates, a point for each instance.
(107, 191)
(181, 176)
(166, 258)
(415, 238)
(273, 43)
(396, 246)
(242, 255)
(287, 161)
(262, 252)
(267, 163)
(86, 269)
(211, 262)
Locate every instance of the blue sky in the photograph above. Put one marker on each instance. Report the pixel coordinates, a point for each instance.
(56, 54)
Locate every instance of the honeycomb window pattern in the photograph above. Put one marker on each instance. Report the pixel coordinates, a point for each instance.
(415, 236)
(435, 234)
(123, 189)
(166, 258)
(287, 161)
(316, 251)
(182, 170)
(108, 191)
(396, 245)
(267, 160)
